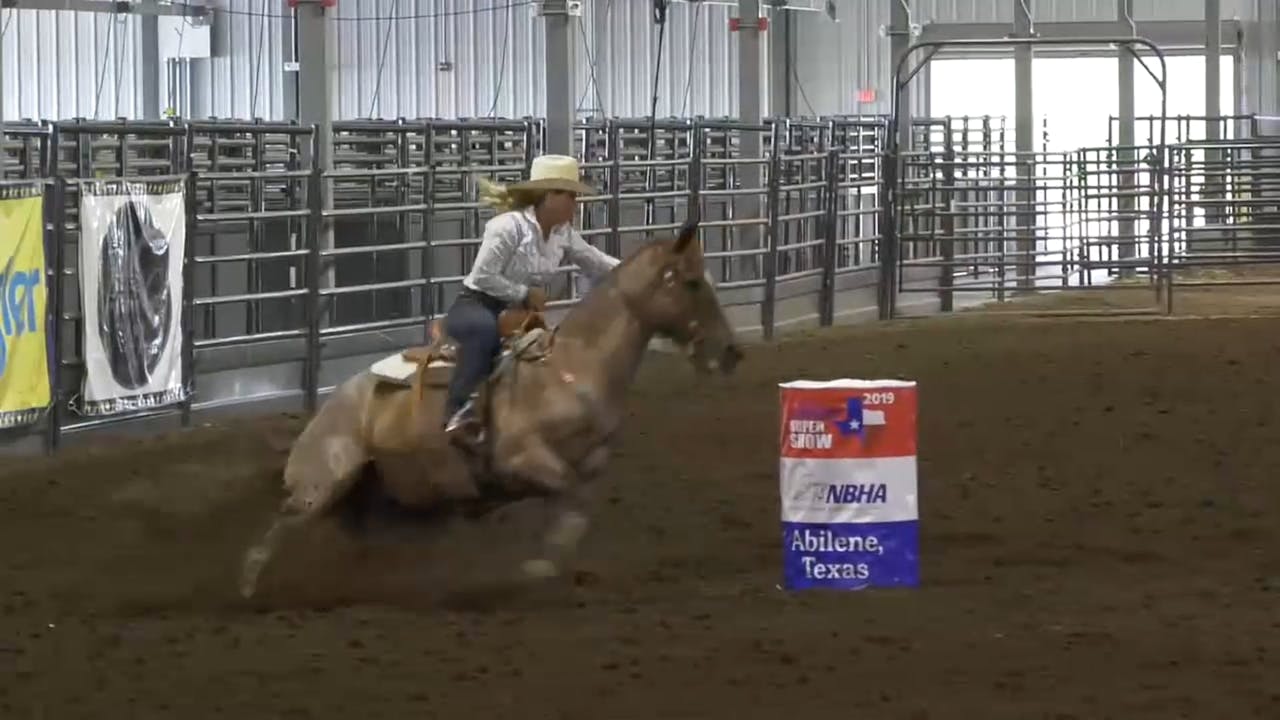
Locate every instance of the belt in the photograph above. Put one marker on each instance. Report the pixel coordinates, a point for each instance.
(491, 303)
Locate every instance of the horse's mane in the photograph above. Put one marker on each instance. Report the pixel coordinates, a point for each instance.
(611, 278)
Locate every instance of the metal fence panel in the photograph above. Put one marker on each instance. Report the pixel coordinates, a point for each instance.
(794, 236)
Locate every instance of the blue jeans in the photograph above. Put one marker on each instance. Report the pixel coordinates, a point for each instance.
(472, 323)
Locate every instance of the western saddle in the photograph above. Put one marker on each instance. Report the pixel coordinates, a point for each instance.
(436, 359)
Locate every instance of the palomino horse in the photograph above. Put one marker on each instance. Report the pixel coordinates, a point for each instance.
(551, 411)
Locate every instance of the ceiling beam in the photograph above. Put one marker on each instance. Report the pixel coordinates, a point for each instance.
(1165, 33)
(145, 7)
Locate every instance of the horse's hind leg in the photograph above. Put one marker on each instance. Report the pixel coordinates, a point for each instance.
(258, 556)
(326, 482)
(304, 503)
(324, 464)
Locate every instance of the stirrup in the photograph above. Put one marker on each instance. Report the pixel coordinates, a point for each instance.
(462, 416)
(459, 421)
(464, 431)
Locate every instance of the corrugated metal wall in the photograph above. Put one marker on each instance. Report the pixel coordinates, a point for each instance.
(62, 65)
(1261, 68)
(389, 61)
(494, 53)
(244, 78)
(390, 54)
(834, 60)
(476, 58)
(694, 79)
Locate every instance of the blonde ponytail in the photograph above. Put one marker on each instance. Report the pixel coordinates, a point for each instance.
(495, 195)
(503, 199)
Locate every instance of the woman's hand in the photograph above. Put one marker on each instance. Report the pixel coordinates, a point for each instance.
(536, 299)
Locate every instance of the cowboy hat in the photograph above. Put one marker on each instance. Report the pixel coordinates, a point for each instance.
(554, 172)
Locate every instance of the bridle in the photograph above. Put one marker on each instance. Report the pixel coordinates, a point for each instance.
(693, 334)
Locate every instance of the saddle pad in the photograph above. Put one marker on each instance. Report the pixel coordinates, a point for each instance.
(395, 369)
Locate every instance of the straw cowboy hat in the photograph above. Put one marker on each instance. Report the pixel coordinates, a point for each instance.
(554, 172)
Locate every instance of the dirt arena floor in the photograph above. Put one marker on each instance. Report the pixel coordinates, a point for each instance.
(1100, 534)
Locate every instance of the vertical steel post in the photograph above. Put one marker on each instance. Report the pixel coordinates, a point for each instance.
(768, 305)
(1126, 154)
(315, 203)
(830, 245)
(54, 302)
(560, 74)
(1028, 223)
(188, 291)
(1213, 189)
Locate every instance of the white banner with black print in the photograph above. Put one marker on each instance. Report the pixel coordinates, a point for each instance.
(132, 245)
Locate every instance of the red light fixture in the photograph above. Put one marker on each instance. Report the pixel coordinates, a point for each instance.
(735, 24)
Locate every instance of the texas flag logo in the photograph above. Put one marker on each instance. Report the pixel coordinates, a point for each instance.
(853, 422)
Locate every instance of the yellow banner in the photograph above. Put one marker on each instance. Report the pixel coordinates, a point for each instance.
(24, 364)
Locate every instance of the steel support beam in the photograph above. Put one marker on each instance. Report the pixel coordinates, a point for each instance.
(1126, 154)
(1238, 71)
(1270, 18)
(749, 205)
(109, 6)
(1213, 67)
(1165, 33)
(899, 32)
(290, 68)
(1262, 49)
(1212, 105)
(317, 54)
(749, 61)
(149, 41)
(781, 60)
(1025, 128)
(560, 73)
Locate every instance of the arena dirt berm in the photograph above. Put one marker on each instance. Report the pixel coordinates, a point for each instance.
(1100, 517)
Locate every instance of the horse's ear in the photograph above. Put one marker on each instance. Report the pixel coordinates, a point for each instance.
(688, 233)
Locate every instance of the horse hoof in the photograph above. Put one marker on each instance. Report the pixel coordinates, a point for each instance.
(248, 586)
(540, 569)
(249, 575)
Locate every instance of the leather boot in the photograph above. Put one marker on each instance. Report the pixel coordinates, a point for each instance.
(463, 429)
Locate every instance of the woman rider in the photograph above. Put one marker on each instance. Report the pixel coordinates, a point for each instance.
(522, 249)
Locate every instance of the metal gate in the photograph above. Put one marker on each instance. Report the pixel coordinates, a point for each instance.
(968, 220)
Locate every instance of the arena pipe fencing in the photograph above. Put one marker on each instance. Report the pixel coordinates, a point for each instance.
(906, 186)
(291, 276)
(294, 277)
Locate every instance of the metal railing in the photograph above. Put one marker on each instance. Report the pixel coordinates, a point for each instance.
(296, 276)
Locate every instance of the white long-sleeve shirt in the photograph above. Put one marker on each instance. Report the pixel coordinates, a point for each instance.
(513, 256)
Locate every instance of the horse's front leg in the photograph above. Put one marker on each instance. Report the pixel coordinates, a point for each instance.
(538, 464)
(567, 525)
(568, 521)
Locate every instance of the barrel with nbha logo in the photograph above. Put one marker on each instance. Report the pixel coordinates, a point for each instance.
(850, 511)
